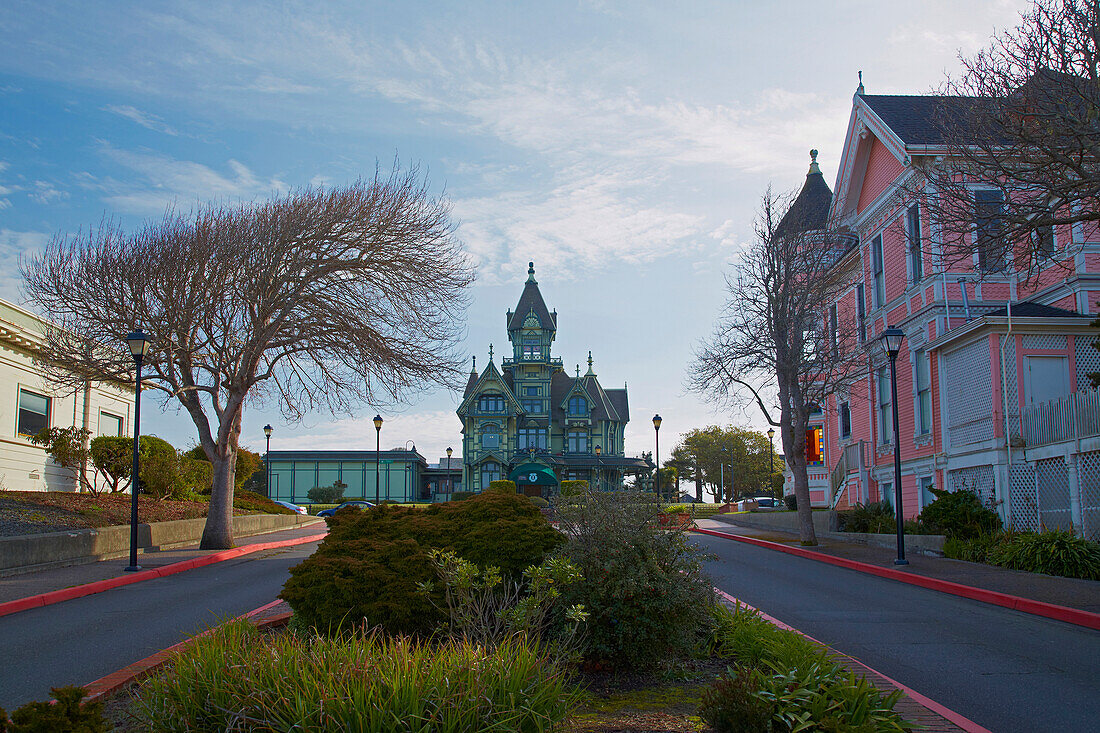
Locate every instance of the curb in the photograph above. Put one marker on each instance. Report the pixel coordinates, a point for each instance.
(1074, 616)
(79, 591)
(117, 680)
(961, 721)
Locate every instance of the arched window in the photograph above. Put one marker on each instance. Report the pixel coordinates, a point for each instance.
(490, 436)
(578, 406)
(491, 402)
(490, 472)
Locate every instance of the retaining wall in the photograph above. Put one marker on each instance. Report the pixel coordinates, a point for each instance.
(78, 546)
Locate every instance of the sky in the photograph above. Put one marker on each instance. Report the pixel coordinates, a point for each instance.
(622, 147)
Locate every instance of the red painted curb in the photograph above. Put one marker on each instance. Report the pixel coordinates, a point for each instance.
(67, 594)
(117, 680)
(963, 722)
(1016, 603)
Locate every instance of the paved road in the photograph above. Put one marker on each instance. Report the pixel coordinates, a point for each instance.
(78, 641)
(1005, 670)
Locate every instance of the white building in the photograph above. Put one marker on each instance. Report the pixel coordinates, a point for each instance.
(28, 404)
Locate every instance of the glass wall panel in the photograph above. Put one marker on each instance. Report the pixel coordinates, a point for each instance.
(328, 473)
(305, 478)
(352, 475)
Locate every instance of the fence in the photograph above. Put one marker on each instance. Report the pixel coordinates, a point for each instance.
(851, 460)
(1074, 416)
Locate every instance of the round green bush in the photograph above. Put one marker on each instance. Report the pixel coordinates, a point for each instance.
(539, 502)
(959, 514)
(369, 565)
(505, 486)
(1053, 552)
(573, 487)
(462, 495)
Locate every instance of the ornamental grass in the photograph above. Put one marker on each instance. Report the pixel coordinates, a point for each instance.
(240, 679)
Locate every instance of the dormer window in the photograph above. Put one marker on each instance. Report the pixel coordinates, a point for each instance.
(578, 406)
(491, 403)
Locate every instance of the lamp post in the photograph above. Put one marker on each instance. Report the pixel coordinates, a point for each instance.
(407, 467)
(450, 481)
(891, 344)
(599, 469)
(377, 453)
(771, 458)
(268, 430)
(657, 452)
(139, 344)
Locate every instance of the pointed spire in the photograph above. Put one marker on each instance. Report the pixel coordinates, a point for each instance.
(814, 168)
(490, 353)
(590, 372)
(531, 273)
(859, 89)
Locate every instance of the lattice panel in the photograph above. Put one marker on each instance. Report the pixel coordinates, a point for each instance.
(977, 480)
(1044, 341)
(1025, 511)
(1088, 361)
(1088, 482)
(969, 394)
(1012, 386)
(1052, 484)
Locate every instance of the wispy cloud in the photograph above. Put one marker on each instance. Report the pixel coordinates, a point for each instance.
(163, 181)
(45, 192)
(14, 246)
(146, 120)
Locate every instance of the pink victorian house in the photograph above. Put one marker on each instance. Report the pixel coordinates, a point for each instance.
(993, 384)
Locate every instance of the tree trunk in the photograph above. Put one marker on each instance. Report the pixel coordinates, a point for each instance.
(218, 532)
(698, 488)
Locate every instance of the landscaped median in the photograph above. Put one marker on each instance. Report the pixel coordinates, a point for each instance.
(402, 622)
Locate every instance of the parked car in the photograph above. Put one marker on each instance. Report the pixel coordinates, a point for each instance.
(364, 505)
(294, 507)
(768, 502)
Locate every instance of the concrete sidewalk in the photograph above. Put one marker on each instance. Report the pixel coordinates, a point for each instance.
(43, 581)
(1070, 592)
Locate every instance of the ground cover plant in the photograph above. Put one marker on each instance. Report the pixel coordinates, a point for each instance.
(1054, 552)
(781, 682)
(370, 567)
(241, 679)
(645, 590)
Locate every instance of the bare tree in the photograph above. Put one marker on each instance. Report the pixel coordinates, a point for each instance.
(1023, 121)
(322, 298)
(775, 341)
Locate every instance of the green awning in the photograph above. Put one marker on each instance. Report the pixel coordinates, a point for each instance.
(533, 473)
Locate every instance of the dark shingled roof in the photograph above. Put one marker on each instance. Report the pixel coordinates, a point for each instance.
(470, 385)
(531, 300)
(921, 120)
(560, 384)
(1027, 309)
(810, 209)
(619, 400)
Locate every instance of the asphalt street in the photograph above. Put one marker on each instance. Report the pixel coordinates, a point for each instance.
(1005, 670)
(79, 641)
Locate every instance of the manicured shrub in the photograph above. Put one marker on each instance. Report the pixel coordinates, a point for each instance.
(539, 502)
(876, 517)
(67, 715)
(1053, 552)
(644, 588)
(252, 501)
(959, 514)
(791, 502)
(463, 495)
(368, 567)
(327, 494)
(508, 487)
(238, 678)
(573, 488)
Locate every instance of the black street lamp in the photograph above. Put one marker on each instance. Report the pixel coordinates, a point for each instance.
(377, 453)
(891, 343)
(771, 458)
(139, 344)
(599, 469)
(450, 481)
(657, 451)
(268, 430)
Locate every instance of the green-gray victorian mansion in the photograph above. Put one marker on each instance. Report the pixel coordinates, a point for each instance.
(532, 422)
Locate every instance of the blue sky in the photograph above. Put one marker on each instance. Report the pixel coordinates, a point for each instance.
(621, 146)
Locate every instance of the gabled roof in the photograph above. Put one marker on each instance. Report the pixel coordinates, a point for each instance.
(621, 403)
(602, 409)
(1027, 309)
(531, 301)
(490, 374)
(922, 119)
(810, 209)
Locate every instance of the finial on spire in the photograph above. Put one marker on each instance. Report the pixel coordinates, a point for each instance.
(590, 372)
(490, 353)
(813, 163)
(859, 89)
(473, 367)
(578, 371)
(531, 272)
